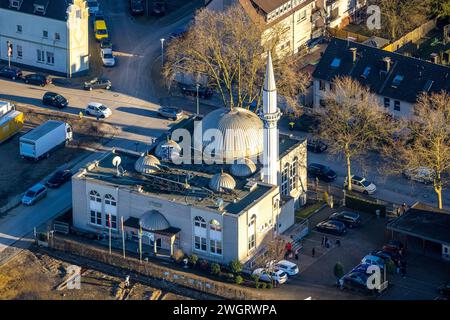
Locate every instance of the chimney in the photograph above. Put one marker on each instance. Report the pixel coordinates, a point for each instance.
(353, 52)
(387, 64)
(16, 4)
(434, 57)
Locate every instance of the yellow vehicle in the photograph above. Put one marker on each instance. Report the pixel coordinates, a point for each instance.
(100, 30)
(10, 124)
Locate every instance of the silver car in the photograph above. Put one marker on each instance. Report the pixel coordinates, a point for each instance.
(170, 113)
(34, 194)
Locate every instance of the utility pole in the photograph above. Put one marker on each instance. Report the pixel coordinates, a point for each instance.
(162, 51)
(140, 242)
(109, 225)
(10, 52)
(123, 236)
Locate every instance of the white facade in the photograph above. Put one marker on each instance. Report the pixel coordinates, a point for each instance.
(397, 108)
(53, 45)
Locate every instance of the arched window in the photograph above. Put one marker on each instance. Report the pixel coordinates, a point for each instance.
(215, 237)
(293, 179)
(285, 180)
(95, 208)
(109, 200)
(199, 234)
(252, 233)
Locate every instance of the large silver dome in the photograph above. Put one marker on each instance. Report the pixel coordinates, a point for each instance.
(167, 150)
(243, 168)
(221, 182)
(153, 221)
(241, 130)
(147, 164)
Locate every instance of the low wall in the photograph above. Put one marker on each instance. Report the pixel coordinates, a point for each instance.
(412, 36)
(96, 253)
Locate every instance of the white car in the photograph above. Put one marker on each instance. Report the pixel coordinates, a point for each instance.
(289, 267)
(421, 174)
(279, 276)
(108, 58)
(361, 185)
(93, 6)
(98, 110)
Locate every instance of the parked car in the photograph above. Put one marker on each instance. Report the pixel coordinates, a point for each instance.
(12, 73)
(444, 289)
(355, 281)
(136, 7)
(101, 30)
(106, 43)
(362, 185)
(93, 6)
(316, 146)
(38, 79)
(422, 174)
(108, 58)
(98, 16)
(311, 43)
(332, 227)
(97, 84)
(98, 110)
(279, 276)
(362, 268)
(59, 178)
(170, 113)
(159, 8)
(350, 219)
(289, 267)
(34, 194)
(373, 260)
(191, 90)
(394, 246)
(54, 99)
(386, 256)
(321, 172)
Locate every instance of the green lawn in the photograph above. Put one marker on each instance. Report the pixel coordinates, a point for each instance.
(307, 211)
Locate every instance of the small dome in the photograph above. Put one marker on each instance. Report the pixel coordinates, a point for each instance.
(153, 220)
(243, 168)
(221, 182)
(147, 164)
(241, 130)
(167, 150)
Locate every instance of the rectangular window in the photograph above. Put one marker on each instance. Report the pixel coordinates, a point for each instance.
(321, 85)
(40, 55)
(397, 105)
(301, 16)
(19, 28)
(200, 243)
(215, 246)
(45, 34)
(113, 221)
(96, 217)
(387, 102)
(251, 242)
(50, 58)
(57, 36)
(19, 51)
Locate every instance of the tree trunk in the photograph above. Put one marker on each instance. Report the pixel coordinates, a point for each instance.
(438, 190)
(349, 174)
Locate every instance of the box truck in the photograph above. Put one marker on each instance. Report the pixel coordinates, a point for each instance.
(5, 107)
(10, 124)
(39, 142)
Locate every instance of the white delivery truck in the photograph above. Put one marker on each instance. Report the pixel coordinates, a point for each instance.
(40, 141)
(5, 107)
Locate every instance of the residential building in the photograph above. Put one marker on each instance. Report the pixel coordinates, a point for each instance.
(47, 35)
(340, 13)
(396, 80)
(225, 206)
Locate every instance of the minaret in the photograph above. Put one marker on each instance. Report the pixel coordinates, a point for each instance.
(270, 116)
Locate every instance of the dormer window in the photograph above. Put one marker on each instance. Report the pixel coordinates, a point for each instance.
(15, 4)
(366, 73)
(397, 81)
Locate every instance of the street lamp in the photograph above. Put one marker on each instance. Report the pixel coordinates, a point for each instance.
(198, 106)
(162, 51)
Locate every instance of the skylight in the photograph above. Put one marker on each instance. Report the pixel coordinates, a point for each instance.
(428, 85)
(397, 80)
(336, 63)
(366, 72)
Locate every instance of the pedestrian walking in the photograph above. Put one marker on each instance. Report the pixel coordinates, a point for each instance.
(323, 241)
(127, 281)
(338, 242)
(296, 255)
(313, 252)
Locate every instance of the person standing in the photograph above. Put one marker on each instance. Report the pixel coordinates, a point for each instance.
(313, 251)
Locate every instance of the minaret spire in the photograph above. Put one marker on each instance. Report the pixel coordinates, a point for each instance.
(270, 116)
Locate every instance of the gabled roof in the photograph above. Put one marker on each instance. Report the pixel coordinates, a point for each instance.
(56, 9)
(418, 75)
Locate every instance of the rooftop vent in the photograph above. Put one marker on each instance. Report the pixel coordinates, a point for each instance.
(16, 4)
(250, 185)
(40, 6)
(434, 57)
(387, 64)
(353, 52)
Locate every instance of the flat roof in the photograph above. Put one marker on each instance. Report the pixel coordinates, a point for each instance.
(42, 130)
(54, 9)
(424, 222)
(8, 116)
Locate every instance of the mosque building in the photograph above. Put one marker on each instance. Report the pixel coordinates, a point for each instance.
(220, 211)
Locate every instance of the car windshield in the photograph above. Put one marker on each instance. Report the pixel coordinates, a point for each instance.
(30, 194)
(102, 31)
(365, 183)
(108, 56)
(102, 108)
(59, 98)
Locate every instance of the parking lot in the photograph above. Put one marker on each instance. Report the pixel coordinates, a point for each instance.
(316, 278)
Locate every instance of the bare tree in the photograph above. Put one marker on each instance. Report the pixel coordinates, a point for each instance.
(352, 123)
(227, 48)
(425, 142)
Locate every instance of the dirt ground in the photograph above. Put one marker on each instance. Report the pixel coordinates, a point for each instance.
(34, 276)
(17, 174)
